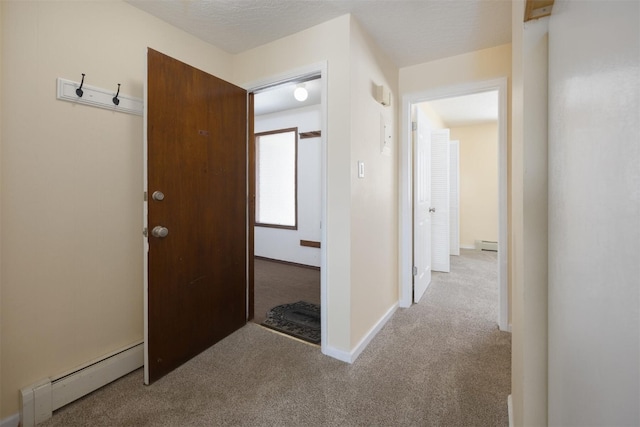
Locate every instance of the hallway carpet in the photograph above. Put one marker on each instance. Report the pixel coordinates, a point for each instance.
(442, 362)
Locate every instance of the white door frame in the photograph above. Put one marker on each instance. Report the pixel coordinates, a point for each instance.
(320, 69)
(406, 203)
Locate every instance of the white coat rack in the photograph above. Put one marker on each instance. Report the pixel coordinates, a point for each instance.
(80, 93)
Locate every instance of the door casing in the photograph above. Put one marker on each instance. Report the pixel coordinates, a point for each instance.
(317, 69)
(406, 203)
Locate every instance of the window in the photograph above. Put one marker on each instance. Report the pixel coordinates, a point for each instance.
(276, 178)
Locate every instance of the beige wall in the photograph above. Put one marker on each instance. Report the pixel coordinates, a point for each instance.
(72, 183)
(73, 291)
(481, 65)
(71, 277)
(374, 198)
(478, 182)
(362, 261)
(327, 42)
(434, 118)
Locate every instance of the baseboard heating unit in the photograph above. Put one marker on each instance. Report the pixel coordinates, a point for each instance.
(486, 245)
(39, 400)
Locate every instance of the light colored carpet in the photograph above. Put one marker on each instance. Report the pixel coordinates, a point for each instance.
(442, 362)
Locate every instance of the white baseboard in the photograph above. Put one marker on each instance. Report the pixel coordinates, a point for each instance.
(351, 356)
(364, 342)
(510, 409)
(12, 421)
(38, 401)
(467, 246)
(343, 356)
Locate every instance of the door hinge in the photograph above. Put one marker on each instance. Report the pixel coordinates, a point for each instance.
(145, 196)
(415, 270)
(414, 125)
(145, 232)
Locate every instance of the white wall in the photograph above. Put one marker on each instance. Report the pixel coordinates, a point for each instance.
(71, 278)
(529, 219)
(594, 213)
(283, 244)
(1, 191)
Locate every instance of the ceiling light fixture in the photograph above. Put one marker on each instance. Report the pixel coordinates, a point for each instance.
(301, 93)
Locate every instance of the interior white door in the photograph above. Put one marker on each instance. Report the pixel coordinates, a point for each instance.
(440, 194)
(454, 198)
(421, 205)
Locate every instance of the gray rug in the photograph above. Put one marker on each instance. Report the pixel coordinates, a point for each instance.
(300, 319)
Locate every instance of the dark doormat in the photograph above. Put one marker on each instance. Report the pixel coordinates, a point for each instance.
(300, 319)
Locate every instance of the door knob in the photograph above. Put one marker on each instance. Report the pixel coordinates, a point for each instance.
(159, 231)
(432, 210)
(158, 196)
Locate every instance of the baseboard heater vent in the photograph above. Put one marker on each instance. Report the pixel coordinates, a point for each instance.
(39, 400)
(486, 245)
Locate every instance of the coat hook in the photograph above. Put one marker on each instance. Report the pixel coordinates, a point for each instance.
(79, 91)
(115, 98)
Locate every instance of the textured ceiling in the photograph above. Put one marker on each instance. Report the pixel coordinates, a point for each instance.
(408, 31)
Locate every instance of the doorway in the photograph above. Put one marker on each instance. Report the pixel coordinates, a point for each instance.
(406, 212)
(294, 254)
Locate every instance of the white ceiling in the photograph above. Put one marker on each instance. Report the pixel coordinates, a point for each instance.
(456, 111)
(467, 110)
(408, 31)
(281, 98)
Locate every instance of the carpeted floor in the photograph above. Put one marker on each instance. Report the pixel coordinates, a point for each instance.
(442, 362)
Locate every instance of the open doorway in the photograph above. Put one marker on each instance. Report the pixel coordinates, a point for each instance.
(429, 101)
(287, 240)
(472, 122)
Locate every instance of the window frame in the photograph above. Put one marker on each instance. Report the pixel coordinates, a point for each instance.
(295, 178)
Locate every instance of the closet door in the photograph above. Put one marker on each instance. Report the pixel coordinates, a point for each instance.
(440, 194)
(454, 199)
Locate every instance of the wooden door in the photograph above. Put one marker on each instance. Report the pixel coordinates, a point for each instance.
(197, 196)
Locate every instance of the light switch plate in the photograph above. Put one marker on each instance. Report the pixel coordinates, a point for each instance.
(360, 169)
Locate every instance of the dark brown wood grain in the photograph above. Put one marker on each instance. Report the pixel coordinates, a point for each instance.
(251, 151)
(197, 157)
(310, 243)
(312, 134)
